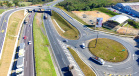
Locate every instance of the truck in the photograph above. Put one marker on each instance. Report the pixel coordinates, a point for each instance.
(99, 60)
(72, 70)
(20, 72)
(20, 62)
(21, 53)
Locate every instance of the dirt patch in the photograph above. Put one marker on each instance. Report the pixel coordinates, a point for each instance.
(129, 31)
(12, 30)
(91, 15)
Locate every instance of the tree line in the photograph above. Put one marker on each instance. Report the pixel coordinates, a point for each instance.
(78, 5)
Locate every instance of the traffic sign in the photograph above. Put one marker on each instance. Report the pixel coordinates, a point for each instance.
(123, 50)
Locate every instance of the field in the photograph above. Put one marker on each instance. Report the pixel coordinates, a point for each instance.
(44, 65)
(70, 31)
(91, 15)
(12, 31)
(85, 69)
(108, 50)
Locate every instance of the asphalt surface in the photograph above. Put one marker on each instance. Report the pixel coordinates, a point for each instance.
(29, 51)
(127, 67)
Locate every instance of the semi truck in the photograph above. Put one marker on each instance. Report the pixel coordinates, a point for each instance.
(20, 62)
(99, 60)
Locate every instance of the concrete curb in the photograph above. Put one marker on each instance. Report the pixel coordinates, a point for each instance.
(12, 60)
(59, 26)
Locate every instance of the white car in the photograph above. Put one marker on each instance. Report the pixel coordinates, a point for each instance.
(29, 42)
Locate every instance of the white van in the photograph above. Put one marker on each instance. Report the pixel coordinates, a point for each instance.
(83, 45)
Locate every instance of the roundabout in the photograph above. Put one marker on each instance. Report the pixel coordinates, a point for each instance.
(107, 49)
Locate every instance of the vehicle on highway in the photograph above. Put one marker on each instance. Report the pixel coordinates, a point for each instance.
(19, 72)
(29, 42)
(21, 52)
(39, 6)
(65, 40)
(83, 45)
(99, 60)
(20, 62)
(25, 37)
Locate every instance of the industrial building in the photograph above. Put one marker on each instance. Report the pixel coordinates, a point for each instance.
(129, 8)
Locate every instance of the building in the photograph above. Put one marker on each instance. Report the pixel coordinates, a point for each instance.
(129, 8)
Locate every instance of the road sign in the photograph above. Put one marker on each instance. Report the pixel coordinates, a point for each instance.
(123, 50)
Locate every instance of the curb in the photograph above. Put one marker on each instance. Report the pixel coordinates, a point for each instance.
(12, 60)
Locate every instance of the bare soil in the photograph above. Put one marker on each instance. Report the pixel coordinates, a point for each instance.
(91, 15)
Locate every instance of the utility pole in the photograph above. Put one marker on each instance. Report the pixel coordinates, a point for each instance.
(96, 39)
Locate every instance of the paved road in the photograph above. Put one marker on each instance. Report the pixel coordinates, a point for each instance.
(29, 51)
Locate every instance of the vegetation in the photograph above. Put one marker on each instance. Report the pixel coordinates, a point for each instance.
(78, 5)
(70, 31)
(133, 23)
(44, 65)
(12, 31)
(85, 69)
(108, 50)
(108, 12)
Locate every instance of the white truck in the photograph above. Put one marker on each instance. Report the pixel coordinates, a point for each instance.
(20, 62)
(20, 72)
(99, 60)
(21, 53)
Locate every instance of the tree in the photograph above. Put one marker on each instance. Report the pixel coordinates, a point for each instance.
(16, 2)
(87, 8)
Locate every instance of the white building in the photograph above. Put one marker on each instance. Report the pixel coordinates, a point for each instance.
(129, 8)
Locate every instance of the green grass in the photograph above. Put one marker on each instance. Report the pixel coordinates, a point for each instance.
(72, 15)
(70, 31)
(108, 12)
(44, 65)
(1, 11)
(85, 69)
(108, 50)
(26, 3)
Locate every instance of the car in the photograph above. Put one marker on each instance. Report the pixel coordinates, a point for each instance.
(29, 42)
(25, 37)
(39, 6)
(65, 40)
(97, 59)
(83, 45)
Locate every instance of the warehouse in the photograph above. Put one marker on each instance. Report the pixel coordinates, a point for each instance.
(129, 8)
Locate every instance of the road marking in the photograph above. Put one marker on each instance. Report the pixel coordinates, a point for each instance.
(2, 31)
(108, 65)
(5, 20)
(26, 63)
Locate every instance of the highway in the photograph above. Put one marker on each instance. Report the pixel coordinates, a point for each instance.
(127, 67)
(29, 49)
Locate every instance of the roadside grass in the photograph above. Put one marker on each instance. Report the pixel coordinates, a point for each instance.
(26, 3)
(108, 50)
(85, 69)
(1, 11)
(108, 12)
(12, 31)
(44, 65)
(70, 31)
(72, 15)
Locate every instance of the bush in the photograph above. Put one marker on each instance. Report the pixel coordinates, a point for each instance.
(133, 23)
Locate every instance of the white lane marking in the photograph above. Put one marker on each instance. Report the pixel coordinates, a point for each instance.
(128, 67)
(133, 56)
(26, 63)
(108, 65)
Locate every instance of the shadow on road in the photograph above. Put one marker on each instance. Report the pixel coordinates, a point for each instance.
(15, 62)
(66, 71)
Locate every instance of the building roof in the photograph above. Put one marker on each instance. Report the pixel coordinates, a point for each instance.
(128, 4)
(135, 7)
(119, 18)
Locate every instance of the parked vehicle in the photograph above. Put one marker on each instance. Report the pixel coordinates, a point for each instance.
(20, 62)
(99, 60)
(21, 53)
